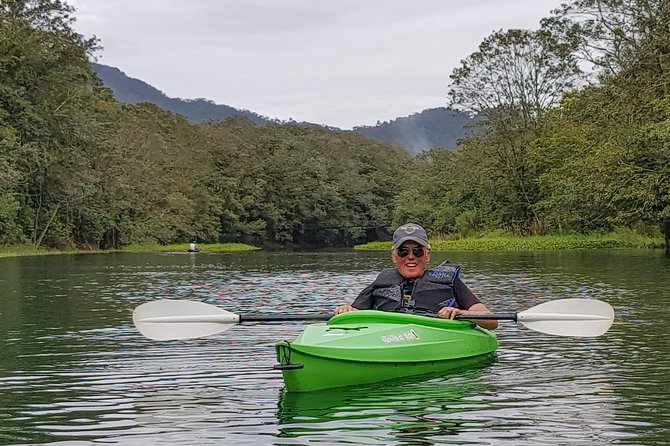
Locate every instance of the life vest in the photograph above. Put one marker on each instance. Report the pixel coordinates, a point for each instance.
(427, 294)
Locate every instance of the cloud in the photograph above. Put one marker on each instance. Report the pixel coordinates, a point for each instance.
(336, 62)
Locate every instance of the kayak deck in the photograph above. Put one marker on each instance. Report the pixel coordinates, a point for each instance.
(368, 346)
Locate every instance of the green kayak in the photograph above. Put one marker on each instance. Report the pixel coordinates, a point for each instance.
(368, 346)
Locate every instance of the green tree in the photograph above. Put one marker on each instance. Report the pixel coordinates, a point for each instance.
(10, 231)
(512, 80)
(295, 184)
(612, 35)
(612, 140)
(44, 78)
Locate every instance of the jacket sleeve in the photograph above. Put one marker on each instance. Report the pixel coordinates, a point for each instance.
(464, 297)
(364, 299)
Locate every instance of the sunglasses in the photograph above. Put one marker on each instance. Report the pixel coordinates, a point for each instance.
(403, 251)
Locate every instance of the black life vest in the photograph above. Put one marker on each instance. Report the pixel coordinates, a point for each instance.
(427, 294)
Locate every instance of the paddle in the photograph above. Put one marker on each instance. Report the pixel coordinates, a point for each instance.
(183, 319)
(165, 320)
(562, 317)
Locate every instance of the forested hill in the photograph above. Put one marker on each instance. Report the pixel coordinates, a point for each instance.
(132, 91)
(435, 128)
(429, 129)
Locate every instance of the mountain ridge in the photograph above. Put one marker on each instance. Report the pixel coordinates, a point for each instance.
(130, 90)
(435, 128)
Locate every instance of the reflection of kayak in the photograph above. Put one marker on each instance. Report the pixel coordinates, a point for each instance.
(403, 396)
(369, 346)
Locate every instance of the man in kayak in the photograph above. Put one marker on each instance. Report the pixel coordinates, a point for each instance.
(411, 288)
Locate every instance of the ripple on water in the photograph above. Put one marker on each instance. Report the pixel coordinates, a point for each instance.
(75, 371)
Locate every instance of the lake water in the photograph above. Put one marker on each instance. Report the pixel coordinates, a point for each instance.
(74, 370)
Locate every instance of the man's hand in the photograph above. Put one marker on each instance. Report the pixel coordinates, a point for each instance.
(449, 312)
(344, 309)
(478, 308)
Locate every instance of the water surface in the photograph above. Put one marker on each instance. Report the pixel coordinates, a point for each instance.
(73, 369)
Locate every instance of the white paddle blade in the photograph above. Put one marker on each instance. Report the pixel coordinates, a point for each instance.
(165, 320)
(569, 317)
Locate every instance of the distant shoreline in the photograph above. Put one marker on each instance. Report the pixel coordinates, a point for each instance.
(615, 240)
(29, 250)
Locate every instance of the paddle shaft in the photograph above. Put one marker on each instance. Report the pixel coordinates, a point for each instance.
(283, 317)
(325, 317)
(489, 316)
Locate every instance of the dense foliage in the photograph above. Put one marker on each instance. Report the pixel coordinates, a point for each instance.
(78, 168)
(561, 150)
(575, 138)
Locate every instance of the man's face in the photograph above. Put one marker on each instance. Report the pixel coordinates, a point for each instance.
(411, 266)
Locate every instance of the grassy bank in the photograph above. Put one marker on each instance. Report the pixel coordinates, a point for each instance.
(623, 239)
(29, 250)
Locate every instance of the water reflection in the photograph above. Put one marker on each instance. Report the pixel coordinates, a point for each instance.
(74, 370)
(404, 408)
(475, 406)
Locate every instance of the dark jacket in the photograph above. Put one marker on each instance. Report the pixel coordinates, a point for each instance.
(438, 287)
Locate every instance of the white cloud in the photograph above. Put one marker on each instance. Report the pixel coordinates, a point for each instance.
(335, 62)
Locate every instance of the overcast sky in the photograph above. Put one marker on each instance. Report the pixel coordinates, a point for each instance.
(335, 62)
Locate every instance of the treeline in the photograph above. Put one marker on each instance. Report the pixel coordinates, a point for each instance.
(574, 138)
(576, 129)
(78, 168)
